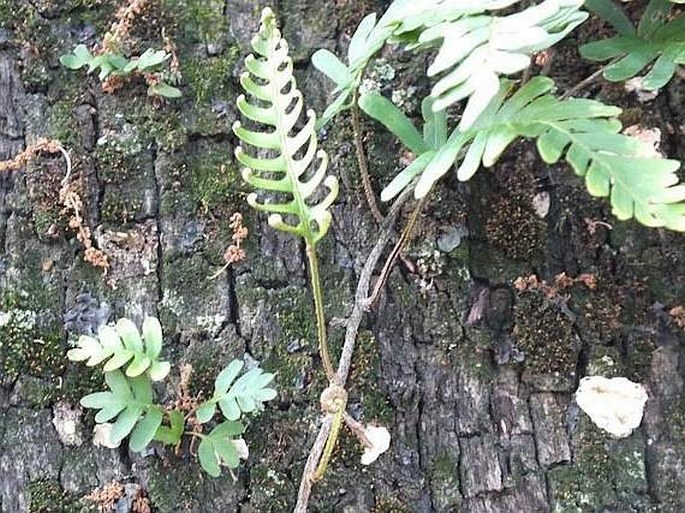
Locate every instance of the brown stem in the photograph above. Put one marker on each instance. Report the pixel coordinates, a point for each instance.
(353, 323)
(400, 246)
(363, 163)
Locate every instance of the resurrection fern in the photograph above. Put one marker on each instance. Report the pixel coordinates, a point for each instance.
(475, 47)
(127, 400)
(234, 398)
(130, 398)
(584, 132)
(115, 64)
(424, 146)
(659, 41)
(123, 344)
(277, 104)
(291, 189)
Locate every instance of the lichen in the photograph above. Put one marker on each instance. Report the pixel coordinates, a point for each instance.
(601, 467)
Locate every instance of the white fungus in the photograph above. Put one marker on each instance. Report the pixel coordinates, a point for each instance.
(379, 437)
(615, 405)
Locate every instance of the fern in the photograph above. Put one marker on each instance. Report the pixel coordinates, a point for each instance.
(658, 41)
(475, 48)
(584, 132)
(277, 103)
(122, 345)
(217, 448)
(127, 401)
(424, 146)
(245, 395)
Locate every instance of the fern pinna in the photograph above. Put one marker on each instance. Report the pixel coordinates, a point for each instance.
(275, 108)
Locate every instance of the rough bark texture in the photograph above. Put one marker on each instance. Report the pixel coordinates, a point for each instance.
(473, 378)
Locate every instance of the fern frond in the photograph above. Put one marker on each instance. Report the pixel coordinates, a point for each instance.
(123, 345)
(658, 42)
(235, 397)
(130, 402)
(475, 48)
(424, 146)
(275, 107)
(583, 132)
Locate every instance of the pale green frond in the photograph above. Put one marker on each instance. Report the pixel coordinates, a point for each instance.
(659, 41)
(234, 397)
(475, 47)
(123, 345)
(274, 106)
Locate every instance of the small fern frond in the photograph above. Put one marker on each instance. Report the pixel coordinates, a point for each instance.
(122, 345)
(475, 48)
(275, 108)
(658, 41)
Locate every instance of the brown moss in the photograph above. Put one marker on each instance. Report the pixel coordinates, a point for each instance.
(514, 229)
(545, 335)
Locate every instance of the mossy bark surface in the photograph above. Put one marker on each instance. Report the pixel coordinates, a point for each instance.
(473, 378)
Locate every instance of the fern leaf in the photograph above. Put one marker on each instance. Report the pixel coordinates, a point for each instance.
(658, 42)
(130, 402)
(586, 134)
(123, 345)
(235, 397)
(275, 108)
(475, 48)
(424, 146)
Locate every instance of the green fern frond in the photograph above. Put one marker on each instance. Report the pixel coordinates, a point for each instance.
(424, 146)
(130, 402)
(475, 48)
(123, 344)
(583, 132)
(235, 397)
(658, 41)
(276, 104)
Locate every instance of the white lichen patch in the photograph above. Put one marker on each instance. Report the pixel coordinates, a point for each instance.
(67, 420)
(210, 323)
(615, 405)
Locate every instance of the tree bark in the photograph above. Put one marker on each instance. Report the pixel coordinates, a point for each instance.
(473, 378)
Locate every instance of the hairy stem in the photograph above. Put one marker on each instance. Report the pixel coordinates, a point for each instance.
(318, 307)
(363, 163)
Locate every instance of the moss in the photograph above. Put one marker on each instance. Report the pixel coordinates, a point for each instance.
(46, 496)
(272, 490)
(211, 181)
(210, 78)
(514, 229)
(445, 482)
(26, 347)
(601, 467)
(390, 505)
(119, 211)
(545, 335)
(364, 382)
(294, 345)
(171, 485)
